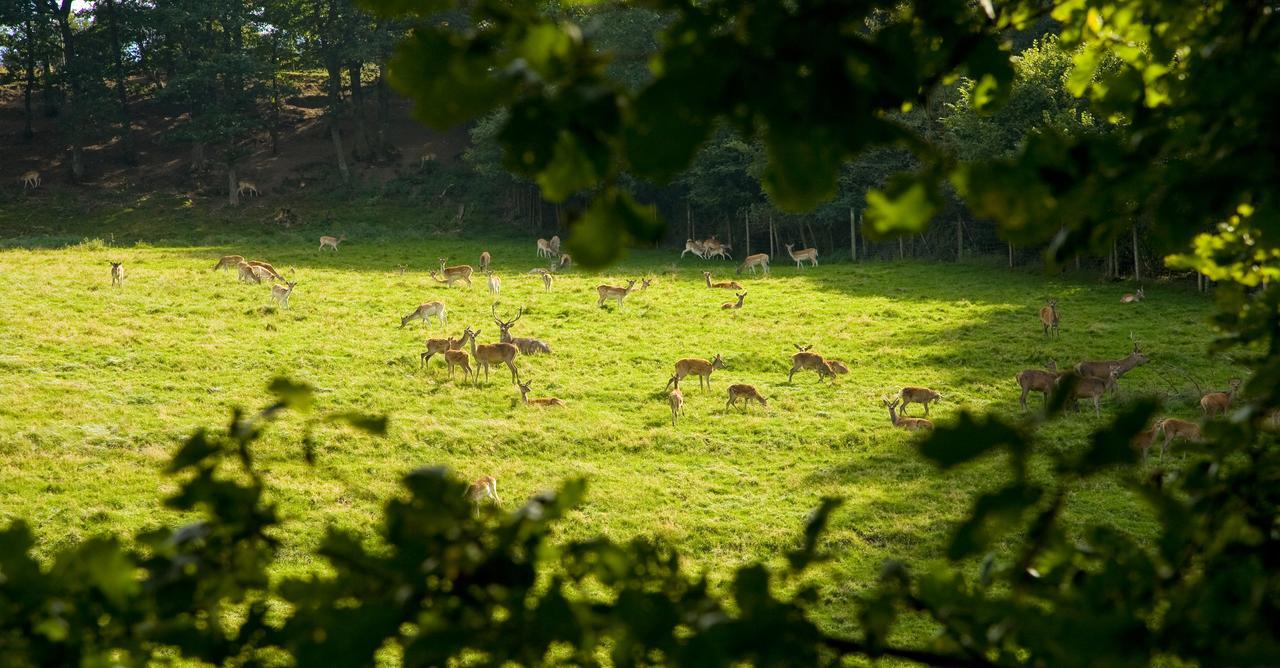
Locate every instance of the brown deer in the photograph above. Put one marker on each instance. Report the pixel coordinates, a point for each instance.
(1144, 439)
(734, 305)
(494, 353)
(645, 283)
(803, 255)
(117, 273)
(545, 402)
(1135, 297)
(1120, 367)
(554, 243)
(495, 283)
(247, 274)
(285, 217)
(424, 313)
(753, 261)
(460, 358)
(332, 242)
(269, 269)
(812, 361)
(1088, 387)
(452, 275)
(838, 367)
(281, 293)
(228, 261)
(565, 262)
(696, 367)
(246, 188)
(917, 395)
(546, 281)
(694, 246)
(1035, 380)
(261, 274)
(485, 258)
(483, 489)
(714, 248)
(728, 285)
(1217, 403)
(614, 292)
(544, 249)
(747, 393)
(1049, 317)
(30, 180)
(440, 346)
(907, 423)
(1178, 429)
(526, 346)
(676, 399)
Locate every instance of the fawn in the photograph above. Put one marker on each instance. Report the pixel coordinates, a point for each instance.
(734, 305)
(908, 423)
(331, 242)
(117, 273)
(544, 402)
(1049, 317)
(747, 393)
(676, 399)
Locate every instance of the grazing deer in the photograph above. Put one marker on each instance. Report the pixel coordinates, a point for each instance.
(261, 274)
(228, 261)
(753, 261)
(804, 254)
(1088, 387)
(424, 313)
(734, 305)
(728, 285)
(281, 293)
(495, 283)
(613, 292)
(1144, 439)
(1135, 297)
(917, 395)
(907, 423)
(747, 393)
(554, 243)
(543, 402)
(565, 262)
(807, 360)
(332, 242)
(1049, 317)
(452, 275)
(696, 367)
(1178, 429)
(544, 249)
(30, 180)
(268, 268)
(1217, 403)
(483, 489)
(838, 367)
(485, 258)
(246, 188)
(247, 274)
(117, 273)
(676, 399)
(494, 353)
(1120, 367)
(440, 346)
(694, 246)
(546, 281)
(1035, 380)
(526, 346)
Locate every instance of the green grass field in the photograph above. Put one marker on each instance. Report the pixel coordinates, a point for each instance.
(101, 383)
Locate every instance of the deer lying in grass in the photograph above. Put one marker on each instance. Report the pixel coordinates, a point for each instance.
(747, 393)
(485, 259)
(30, 180)
(1178, 429)
(805, 360)
(424, 313)
(483, 489)
(694, 246)
(1087, 387)
(907, 423)
(494, 353)
(692, 366)
(614, 292)
(281, 293)
(1135, 297)
(526, 346)
(804, 254)
(735, 305)
(544, 249)
(1216, 403)
(753, 261)
(1103, 370)
(1035, 380)
(546, 281)
(246, 188)
(117, 273)
(676, 399)
(440, 346)
(917, 395)
(332, 242)
(544, 402)
(452, 275)
(1049, 317)
(228, 262)
(495, 283)
(727, 285)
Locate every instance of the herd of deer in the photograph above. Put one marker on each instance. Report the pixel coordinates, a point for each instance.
(257, 271)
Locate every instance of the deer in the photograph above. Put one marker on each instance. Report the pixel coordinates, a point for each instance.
(424, 313)
(693, 246)
(483, 489)
(545, 402)
(247, 274)
(228, 261)
(1134, 297)
(495, 283)
(30, 180)
(544, 249)
(747, 393)
(526, 346)
(838, 367)
(734, 305)
(281, 293)
(1088, 387)
(907, 423)
(261, 274)
(917, 395)
(1120, 367)
(696, 367)
(554, 243)
(485, 258)
(753, 261)
(1049, 317)
(1178, 429)
(546, 281)
(1143, 440)
(285, 217)
(565, 262)
(676, 399)
(1035, 380)
(714, 248)
(117, 273)
(494, 353)
(269, 269)
(645, 283)
(1217, 403)
(613, 292)
(440, 346)
(806, 360)
(332, 242)
(459, 358)
(804, 254)
(727, 285)
(452, 275)
(246, 188)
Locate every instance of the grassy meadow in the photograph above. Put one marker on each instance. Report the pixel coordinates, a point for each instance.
(101, 384)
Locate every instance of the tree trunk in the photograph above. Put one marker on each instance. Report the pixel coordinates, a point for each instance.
(122, 93)
(361, 147)
(959, 240)
(746, 232)
(336, 135)
(233, 186)
(1137, 271)
(197, 156)
(384, 110)
(27, 133)
(901, 249)
(335, 115)
(69, 110)
(1011, 255)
